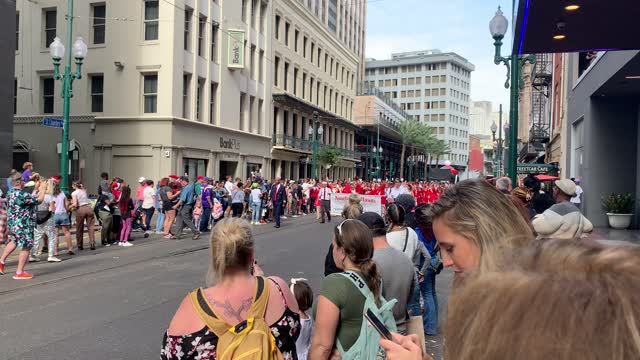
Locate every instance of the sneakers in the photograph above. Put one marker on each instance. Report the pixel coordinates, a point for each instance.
(53, 259)
(125, 244)
(1, 269)
(23, 276)
(33, 258)
(196, 236)
(146, 234)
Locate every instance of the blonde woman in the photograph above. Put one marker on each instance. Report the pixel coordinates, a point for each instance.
(475, 224)
(565, 301)
(232, 286)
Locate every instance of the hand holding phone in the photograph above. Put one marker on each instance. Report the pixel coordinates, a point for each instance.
(378, 325)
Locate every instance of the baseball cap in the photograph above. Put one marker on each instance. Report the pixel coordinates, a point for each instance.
(174, 177)
(200, 178)
(141, 179)
(566, 186)
(374, 222)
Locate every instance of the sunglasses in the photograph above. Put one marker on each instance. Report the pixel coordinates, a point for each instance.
(340, 226)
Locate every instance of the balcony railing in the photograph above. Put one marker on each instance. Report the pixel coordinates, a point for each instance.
(295, 143)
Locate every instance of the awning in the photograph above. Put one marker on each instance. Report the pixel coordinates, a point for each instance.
(305, 106)
(595, 25)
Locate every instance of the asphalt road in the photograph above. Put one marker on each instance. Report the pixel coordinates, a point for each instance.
(115, 303)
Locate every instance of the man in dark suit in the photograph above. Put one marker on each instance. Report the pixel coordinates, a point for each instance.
(277, 195)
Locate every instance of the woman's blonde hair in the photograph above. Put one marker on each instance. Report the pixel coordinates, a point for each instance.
(556, 300)
(232, 249)
(485, 216)
(352, 211)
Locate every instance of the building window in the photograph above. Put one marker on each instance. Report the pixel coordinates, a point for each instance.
(99, 23)
(199, 94)
(295, 81)
(48, 93)
(296, 38)
(263, 16)
(214, 41)
(188, 13)
(17, 31)
(186, 80)
(201, 28)
(277, 29)
(212, 103)
(286, 76)
(243, 99)
(252, 103)
(50, 21)
(151, 20)
(150, 93)
(254, 10)
(276, 71)
(261, 67)
(313, 50)
(260, 112)
(333, 15)
(97, 93)
(304, 47)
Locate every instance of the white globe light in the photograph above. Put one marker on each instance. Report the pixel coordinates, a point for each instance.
(320, 130)
(494, 127)
(79, 48)
(498, 25)
(56, 49)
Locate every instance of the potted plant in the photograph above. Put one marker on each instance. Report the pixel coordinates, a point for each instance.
(619, 208)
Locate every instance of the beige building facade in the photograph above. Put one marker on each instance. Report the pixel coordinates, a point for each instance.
(161, 91)
(318, 49)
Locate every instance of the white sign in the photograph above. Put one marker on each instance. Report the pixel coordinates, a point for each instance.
(370, 203)
(236, 49)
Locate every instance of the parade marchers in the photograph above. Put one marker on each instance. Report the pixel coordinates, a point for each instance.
(508, 258)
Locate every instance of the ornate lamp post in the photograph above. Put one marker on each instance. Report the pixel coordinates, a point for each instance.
(377, 151)
(315, 132)
(498, 28)
(59, 52)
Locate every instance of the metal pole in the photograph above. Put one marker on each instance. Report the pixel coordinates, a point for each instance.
(378, 153)
(66, 96)
(500, 142)
(513, 119)
(315, 144)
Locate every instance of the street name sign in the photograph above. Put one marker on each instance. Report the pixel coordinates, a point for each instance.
(54, 123)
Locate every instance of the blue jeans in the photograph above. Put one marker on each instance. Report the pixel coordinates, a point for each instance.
(204, 219)
(413, 307)
(428, 289)
(256, 211)
(160, 221)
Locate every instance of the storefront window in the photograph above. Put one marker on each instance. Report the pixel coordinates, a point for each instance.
(194, 168)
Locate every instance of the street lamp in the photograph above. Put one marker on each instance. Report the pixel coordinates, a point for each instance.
(498, 28)
(377, 151)
(58, 52)
(315, 132)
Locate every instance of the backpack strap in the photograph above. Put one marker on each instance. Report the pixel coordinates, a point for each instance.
(406, 239)
(259, 306)
(359, 283)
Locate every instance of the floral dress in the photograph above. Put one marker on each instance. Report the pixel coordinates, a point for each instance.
(21, 217)
(201, 345)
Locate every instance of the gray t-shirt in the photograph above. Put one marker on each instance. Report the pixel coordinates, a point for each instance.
(397, 281)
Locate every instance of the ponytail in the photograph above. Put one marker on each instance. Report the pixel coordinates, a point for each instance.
(373, 278)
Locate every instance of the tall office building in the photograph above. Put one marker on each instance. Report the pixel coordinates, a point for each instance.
(481, 118)
(432, 87)
(167, 88)
(318, 52)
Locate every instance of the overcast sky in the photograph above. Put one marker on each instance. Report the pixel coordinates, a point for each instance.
(460, 26)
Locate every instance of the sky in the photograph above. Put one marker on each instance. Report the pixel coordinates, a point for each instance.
(460, 26)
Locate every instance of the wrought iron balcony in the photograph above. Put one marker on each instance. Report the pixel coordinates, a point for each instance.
(303, 145)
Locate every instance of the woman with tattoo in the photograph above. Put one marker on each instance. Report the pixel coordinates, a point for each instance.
(233, 282)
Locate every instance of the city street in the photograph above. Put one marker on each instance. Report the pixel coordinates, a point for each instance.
(116, 302)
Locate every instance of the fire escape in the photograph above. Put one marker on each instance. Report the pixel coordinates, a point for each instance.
(540, 124)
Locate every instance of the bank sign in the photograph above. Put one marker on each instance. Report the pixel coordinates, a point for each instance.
(532, 168)
(229, 143)
(236, 49)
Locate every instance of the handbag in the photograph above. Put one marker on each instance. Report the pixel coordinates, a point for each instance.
(43, 216)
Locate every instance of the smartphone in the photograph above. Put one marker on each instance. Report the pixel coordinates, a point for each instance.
(378, 325)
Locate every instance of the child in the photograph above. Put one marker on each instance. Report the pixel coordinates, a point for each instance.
(304, 296)
(197, 213)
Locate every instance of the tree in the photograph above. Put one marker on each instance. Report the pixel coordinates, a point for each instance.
(439, 149)
(329, 155)
(426, 142)
(410, 131)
